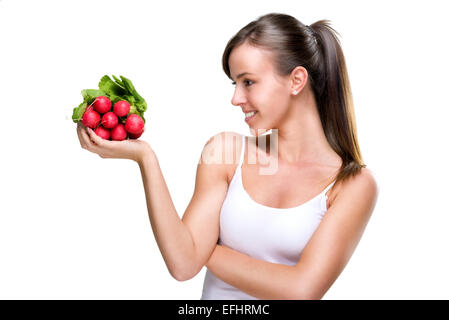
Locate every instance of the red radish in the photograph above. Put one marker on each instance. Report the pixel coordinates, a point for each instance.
(109, 120)
(103, 133)
(135, 136)
(91, 118)
(102, 104)
(121, 108)
(118, 133)
(134, 124)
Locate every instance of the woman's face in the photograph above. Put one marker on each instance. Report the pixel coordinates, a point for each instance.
(260, 90)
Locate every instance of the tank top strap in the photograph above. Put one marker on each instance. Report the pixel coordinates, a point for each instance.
(242, 152)
(329, 186)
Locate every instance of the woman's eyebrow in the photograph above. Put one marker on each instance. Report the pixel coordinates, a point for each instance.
(242, 74)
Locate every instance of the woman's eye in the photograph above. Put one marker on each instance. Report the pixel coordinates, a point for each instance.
(246, 82)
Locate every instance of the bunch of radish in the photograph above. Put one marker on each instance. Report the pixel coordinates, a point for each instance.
(107, 120)
(115, 111)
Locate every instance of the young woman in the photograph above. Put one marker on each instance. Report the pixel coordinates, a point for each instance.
(283, 235)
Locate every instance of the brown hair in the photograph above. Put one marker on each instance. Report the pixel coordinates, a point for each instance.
(318, 50)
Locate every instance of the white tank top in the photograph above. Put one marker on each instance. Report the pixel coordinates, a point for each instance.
(277, 235)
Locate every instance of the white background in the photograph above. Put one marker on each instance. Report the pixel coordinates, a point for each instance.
(75, 226)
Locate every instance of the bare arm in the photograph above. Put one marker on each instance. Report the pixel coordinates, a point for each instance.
(172, 236)
(186, 244)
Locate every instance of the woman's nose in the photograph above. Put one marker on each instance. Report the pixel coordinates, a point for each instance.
(238, 98)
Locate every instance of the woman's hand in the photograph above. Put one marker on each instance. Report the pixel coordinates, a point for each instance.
(127, 149)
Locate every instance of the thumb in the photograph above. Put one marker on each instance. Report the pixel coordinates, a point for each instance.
(93, 136)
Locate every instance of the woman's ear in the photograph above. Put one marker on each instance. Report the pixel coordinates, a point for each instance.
(298, 79)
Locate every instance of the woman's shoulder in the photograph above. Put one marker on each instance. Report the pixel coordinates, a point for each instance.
(365, 179)
(223, 148)
(224, 151)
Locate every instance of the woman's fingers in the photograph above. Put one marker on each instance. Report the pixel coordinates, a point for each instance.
(85, 139)
(81, 137)
(94, 138)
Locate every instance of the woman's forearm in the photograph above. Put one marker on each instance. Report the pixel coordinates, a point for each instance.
(260, 279)
(172, 236)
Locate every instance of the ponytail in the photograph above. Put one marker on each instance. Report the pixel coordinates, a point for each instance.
(335, 102)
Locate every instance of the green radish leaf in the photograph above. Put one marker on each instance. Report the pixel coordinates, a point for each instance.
(130, 99)
(128, 84)
(141, 106)
(138, 98)
(89, 95)
(115, 99)
(110, 87)
(78, 112)
(119, 82)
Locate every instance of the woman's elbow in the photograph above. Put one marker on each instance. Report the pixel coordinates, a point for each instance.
(183, 274)
(303, 294)
(310, 297)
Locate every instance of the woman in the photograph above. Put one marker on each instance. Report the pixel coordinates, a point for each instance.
(287, 234)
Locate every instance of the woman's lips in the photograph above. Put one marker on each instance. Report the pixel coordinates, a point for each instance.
(247, 119)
